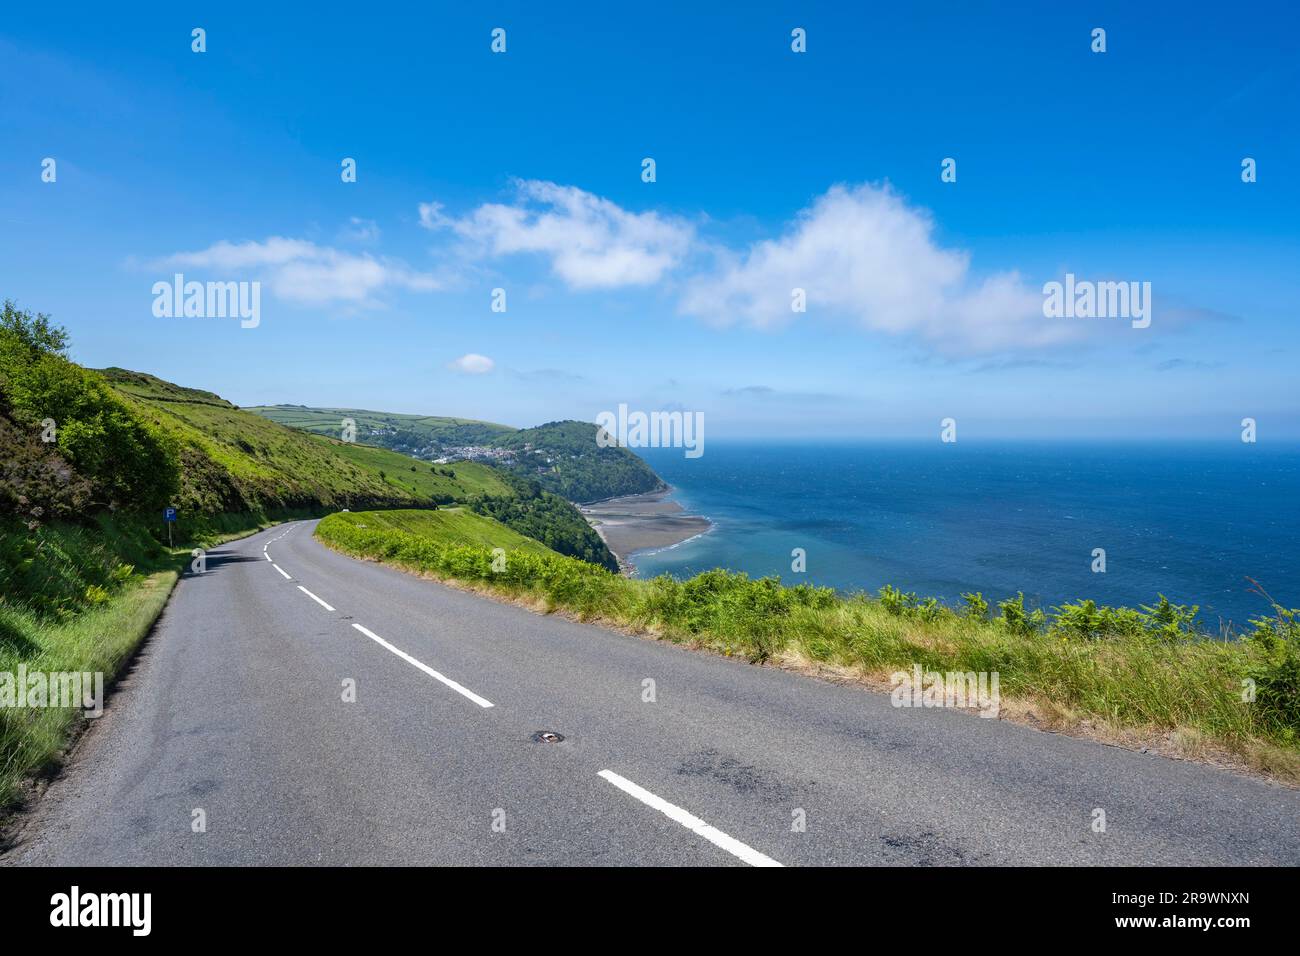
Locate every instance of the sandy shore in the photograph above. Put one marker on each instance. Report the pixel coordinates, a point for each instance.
(641, 522)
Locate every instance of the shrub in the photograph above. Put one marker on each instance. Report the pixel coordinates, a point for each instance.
(977, 609)
(1276, 672)
(1171, 622)
(1019, 621)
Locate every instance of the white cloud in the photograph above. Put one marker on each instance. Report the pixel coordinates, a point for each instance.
(473, 364)
(591, 242)
(863, 253)
(301, 271)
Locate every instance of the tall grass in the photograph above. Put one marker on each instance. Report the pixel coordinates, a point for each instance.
(79, 598)
(1143, 670)
(98, 639)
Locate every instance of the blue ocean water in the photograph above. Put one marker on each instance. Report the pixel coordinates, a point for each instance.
(1191, 521)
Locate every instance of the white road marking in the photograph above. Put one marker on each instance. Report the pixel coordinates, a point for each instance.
(691, 822)
(314, 598)
(268, 557)
(424, 667)
(282, 571)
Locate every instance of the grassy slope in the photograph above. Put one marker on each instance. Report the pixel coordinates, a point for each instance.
(417, 477)
(97, 640)
(446, 527)
(424, 428)
(75, 598)
(1183, 697)
(237, 461)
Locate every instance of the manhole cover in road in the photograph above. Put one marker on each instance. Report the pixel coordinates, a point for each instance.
(547, 737)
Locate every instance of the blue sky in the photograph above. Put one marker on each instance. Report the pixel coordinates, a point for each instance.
(522, 171)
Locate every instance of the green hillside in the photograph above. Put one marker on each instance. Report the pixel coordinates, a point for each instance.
(421, 436)
(449, 526)
(565, 459)
(234, 461)
(562, 457)
(532, 510)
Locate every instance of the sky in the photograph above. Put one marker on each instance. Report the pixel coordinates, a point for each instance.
(774, 170)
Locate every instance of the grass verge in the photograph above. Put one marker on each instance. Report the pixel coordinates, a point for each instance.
(1126, 677)
(77, 599)
(99, 639)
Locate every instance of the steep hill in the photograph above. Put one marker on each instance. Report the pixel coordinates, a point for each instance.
(421, 436)
(234, 461)
(562, 457)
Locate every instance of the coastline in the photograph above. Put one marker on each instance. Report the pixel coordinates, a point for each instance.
(644, 522)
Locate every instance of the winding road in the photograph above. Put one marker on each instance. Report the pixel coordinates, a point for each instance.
(234, 739)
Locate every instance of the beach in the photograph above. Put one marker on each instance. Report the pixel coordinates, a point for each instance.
(650, 521)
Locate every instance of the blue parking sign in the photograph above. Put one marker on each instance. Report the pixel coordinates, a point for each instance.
(169, 514)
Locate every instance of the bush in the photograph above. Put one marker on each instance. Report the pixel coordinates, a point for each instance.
(977, 609)
(1019, 621)
(1085, 619)
(1171, 622)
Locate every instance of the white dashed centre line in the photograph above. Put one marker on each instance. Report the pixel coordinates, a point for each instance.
(691, 822)
(314, 598)
(282, 571)
(482, 702)
(267, 556)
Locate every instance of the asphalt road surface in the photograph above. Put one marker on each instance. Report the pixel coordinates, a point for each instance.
(233, 723)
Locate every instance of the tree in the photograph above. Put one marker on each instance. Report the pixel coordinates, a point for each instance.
(37, 332)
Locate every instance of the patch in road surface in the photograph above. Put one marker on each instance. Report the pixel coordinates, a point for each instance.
(741, 777)
(881, 741)
(927, 848)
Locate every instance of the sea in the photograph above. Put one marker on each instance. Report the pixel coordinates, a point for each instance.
(1192, 521)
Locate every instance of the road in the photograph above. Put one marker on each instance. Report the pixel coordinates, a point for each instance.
(233, 723)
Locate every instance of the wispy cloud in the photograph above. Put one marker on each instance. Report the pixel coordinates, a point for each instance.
(591, 242)
(301, 271)
(552, 376)
(766, 392)
(1181, 364)
(1016, 364)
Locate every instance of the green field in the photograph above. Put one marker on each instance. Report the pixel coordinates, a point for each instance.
(417, 429)
(418, 478)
